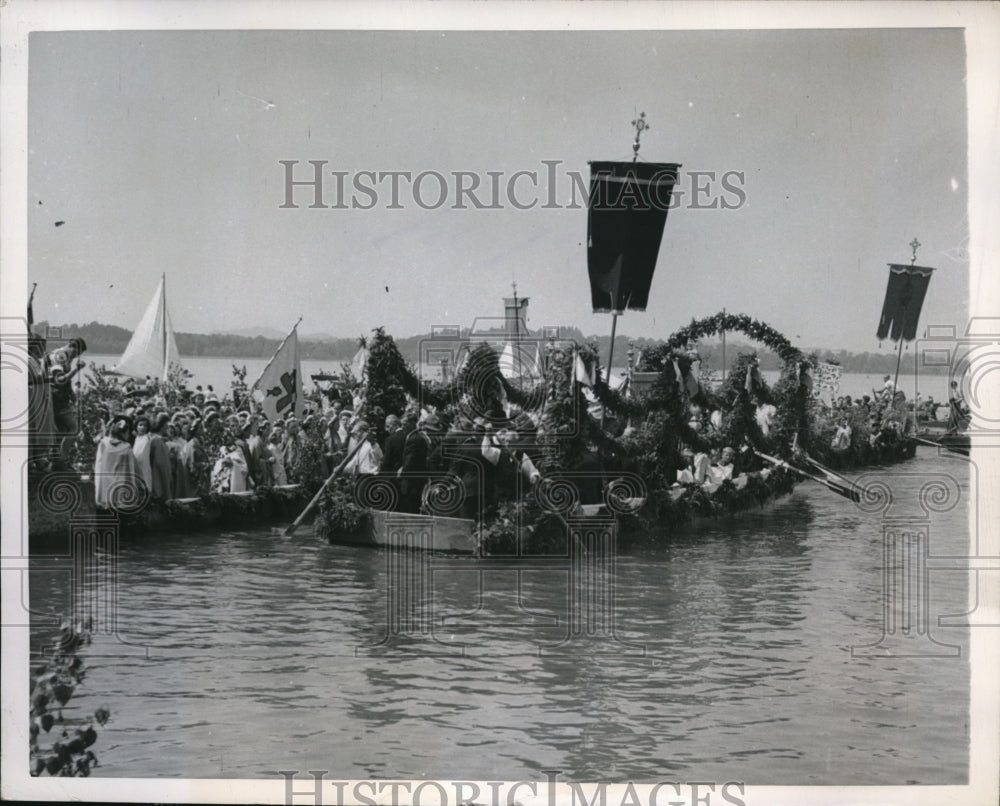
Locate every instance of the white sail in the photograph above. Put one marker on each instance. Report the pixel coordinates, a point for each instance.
(153, 347)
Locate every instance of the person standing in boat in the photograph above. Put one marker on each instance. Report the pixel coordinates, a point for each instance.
(416, 463)
(230, 474)
(368, 459)
(292, 448)
(174, 439)
(256, 429)
(116, 476)
(276, 459)
(61, 373)
(41, 422)
(471, 463)
(338, 437)
(186, 470)
(958, 419)
(392, 450)
(141, 448)
(162, 486)
(888, 389)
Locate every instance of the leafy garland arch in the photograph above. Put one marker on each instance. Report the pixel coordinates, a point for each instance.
(713, 325)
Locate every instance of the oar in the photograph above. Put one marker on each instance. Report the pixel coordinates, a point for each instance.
(851, 493)
(309, 507)
(830, 474)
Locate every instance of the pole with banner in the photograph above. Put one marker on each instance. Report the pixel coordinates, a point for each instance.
(626, 215)
(904, 298)
(281, 380)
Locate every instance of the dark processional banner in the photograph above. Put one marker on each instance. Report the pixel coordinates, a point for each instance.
(904, 297)
(628, 210)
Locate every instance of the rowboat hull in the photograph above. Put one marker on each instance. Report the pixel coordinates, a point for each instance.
(957, 443)
(411, 531)
(421, 532)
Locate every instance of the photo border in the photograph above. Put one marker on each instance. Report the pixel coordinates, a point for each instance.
(19, 18)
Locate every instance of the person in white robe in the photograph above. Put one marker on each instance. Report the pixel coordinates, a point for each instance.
(116, 475)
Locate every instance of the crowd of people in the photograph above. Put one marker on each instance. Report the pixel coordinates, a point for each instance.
(167, 449)
(181, 444)
(885, 416)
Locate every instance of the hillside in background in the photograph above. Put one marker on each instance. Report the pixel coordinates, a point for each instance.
(111, 340)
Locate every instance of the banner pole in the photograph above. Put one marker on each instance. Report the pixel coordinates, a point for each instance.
(611, 356)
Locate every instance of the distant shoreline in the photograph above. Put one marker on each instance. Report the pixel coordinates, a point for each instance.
(112, 340)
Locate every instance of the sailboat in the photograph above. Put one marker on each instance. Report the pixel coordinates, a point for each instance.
(153, 347)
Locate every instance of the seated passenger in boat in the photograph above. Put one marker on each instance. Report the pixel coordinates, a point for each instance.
(696, 466)
(842, 436)
(722, 470)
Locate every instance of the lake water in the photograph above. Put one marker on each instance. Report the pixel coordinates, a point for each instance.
(248, 653)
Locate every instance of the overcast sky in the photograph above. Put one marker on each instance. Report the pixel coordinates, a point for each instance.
(161, 153)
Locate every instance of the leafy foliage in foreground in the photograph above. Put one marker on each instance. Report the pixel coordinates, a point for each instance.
(53, 683)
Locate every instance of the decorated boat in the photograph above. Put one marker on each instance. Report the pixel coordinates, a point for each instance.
(530, 435)
(600, 449)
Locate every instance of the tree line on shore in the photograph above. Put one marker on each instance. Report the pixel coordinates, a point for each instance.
(112, 340)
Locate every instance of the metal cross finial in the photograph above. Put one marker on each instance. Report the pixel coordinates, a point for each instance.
(914, 245)
(640, 126)
(514, 285)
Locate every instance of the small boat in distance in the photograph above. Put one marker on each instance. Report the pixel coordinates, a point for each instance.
(153, 346)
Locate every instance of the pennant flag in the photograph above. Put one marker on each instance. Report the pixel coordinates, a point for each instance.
(281, 381)
(359, 362)
(627, 213)
(581, 374)
(539, 368)
(508, 367)
(904, 297)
